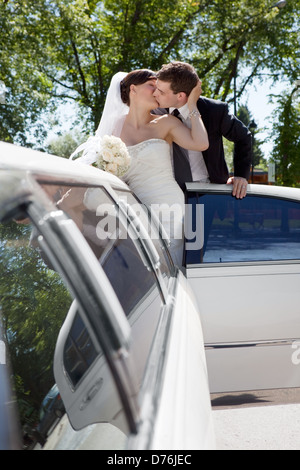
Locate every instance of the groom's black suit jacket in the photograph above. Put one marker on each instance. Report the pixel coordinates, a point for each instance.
(219, 123)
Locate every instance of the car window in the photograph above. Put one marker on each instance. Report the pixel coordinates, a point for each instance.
(166, 264)
(34, 297)
(125, 264)
(33, 305)
(121, 258)
(79, 351)
(253, 229)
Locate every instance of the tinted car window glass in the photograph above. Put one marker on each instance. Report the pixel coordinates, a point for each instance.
(252, 229)
(79, 351)
(122, 258)
(166, 265)
(124, 262)
(33, 304)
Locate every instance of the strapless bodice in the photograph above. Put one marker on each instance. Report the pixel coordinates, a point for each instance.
(150, 174)
(150, 177)
(153, 155)
(137, 149)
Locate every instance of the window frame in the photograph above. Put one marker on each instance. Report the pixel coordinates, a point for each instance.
(214, 190)
(144, 246)
(75, 383)
(158, 228)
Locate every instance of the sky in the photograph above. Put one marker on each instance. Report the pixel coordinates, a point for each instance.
(258, 101)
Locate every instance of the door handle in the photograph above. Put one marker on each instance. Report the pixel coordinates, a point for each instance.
(91, 394)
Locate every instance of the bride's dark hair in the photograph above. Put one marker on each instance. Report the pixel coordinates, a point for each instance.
(136, 77)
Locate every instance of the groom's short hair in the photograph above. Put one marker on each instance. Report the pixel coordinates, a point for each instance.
(181, 76)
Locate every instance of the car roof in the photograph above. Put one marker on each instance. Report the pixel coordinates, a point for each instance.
(253, 189)
(15, 157)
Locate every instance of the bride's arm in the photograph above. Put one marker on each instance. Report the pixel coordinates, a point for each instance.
(195, 138)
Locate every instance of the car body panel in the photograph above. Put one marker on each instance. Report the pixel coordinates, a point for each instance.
(250, 310)
(43, 164)
(185, 356)
(10, 435)
(116, 344)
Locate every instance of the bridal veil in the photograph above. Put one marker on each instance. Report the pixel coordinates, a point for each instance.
(111, 122)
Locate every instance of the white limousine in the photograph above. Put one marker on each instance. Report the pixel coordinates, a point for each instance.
(130, 351)
(246, 280)
(144, 344)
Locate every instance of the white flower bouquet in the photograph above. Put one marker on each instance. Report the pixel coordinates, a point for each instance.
(112, 155)
(109, 153)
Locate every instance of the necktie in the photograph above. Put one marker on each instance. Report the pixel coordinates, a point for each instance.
(182, 169)
(176, 113)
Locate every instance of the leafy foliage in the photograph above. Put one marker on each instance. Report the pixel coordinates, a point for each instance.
(68, 50)
(57, 51)
(64, 145)
(33, 303)
(286, 152)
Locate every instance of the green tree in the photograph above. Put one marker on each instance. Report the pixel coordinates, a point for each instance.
(27, 91)
(64, 145)
(287, 139)
(33, 303)
(59, 50)
(238, 41)
(245, 116)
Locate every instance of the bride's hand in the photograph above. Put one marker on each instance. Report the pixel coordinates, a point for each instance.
(194, 95)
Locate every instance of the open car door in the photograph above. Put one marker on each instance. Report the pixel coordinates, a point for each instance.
(246, 276)
(130, 351)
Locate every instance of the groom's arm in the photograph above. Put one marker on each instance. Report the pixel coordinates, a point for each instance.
(238, 133)
(220, 123)
(235, 131)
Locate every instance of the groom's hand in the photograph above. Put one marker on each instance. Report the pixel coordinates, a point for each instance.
(240, 186)
(195, 94)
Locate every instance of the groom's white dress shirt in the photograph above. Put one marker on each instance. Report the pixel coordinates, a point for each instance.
(197, 163)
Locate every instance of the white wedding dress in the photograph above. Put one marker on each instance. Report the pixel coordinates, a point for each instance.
(150, 177)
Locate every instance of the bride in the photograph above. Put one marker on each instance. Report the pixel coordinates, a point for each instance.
(148, 137)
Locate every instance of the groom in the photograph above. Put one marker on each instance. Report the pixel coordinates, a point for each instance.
(175, 82)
